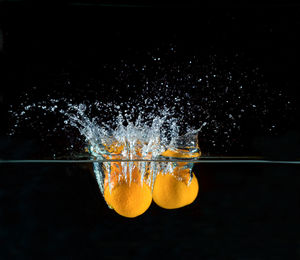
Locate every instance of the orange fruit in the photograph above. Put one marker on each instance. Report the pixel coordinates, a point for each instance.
(132, 197)
(128, 199)
(174, 190)
(170, 192)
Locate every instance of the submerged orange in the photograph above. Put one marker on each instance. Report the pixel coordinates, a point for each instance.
(171, 193)
(131, 197)
(128, 198)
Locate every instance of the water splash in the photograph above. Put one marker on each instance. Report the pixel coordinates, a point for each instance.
(234, 102)
(151, 138)
(150, 111)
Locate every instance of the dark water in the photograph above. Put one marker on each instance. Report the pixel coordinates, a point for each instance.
(243, 211)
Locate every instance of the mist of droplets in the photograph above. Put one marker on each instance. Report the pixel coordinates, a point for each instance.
(162, 90)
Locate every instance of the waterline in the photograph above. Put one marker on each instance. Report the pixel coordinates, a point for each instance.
(213, 160)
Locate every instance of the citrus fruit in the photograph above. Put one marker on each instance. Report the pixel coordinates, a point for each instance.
(128, 198)
(172, 191)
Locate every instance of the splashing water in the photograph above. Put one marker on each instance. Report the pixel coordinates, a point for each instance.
(234, 103)
(181, 91)
(131, 134)
(151, 138)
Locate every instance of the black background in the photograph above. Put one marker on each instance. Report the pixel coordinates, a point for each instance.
(45, 46)
(242, 213)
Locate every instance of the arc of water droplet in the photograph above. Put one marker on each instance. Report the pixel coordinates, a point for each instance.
(99, 176)
(142, 167)
(108, 169)
(191, 176)
(153, 174)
